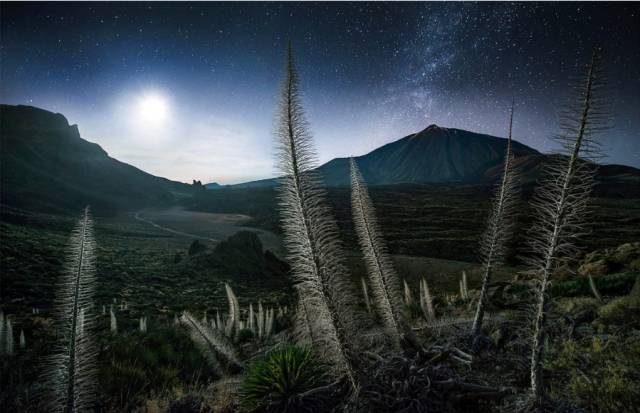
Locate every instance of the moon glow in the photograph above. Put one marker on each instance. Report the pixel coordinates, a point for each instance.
(152, 109)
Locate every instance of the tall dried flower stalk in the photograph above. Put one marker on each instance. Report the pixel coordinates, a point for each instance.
(500, 225)
(71, 369)
(385, 284)
(561, 201)
(310, 236)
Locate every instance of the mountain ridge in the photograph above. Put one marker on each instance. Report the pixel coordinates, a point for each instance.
(47, 165)
(437, 155)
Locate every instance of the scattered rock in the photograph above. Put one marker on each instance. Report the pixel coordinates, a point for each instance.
(602, 262)
(625, 254)
(196, 247)
(595, 269)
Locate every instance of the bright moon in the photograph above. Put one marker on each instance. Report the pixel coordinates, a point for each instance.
(153, 109)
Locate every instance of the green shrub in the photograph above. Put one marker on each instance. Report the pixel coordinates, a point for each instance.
(634, 295)
(578, 305)
(620, 311)
(613, 284)
(599, 374)
(138, 366)
(627, 253)
(276, 383)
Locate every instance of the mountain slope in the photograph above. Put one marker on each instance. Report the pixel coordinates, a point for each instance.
(434, 155)
(45, 165)
(439, 155)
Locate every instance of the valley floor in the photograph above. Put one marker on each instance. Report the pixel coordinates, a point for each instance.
(213, 227)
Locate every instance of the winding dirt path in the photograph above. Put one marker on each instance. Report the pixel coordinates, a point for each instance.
(173, 231)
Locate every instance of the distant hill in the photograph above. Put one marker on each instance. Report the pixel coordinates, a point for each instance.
(439, 155)
(214, 185)
(46, 166)
(434, 155)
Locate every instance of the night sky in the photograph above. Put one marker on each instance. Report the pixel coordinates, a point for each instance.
(188, 90)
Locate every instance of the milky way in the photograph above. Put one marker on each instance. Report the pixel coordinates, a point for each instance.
(371, 73)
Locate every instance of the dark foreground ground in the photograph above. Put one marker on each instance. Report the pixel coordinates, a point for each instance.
(144, 270)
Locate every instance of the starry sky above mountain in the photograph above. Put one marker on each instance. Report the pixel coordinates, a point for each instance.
(189, 90)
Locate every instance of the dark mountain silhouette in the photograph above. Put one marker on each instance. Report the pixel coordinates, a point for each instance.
(439, 155)
(531, 165)
(47, 166)
(434, 155)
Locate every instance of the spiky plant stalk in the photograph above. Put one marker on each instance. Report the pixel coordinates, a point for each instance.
(2, 332)
(251, 320)
(365, 294)
(561, 201)
(260, 319)
(426, 301)
(113, 322)
(269, 322)
(233, 322)
(213, 344)
(408, 295)
(385, 284)
(465, 284)
(8, 346)
(72, 368)
(310, 235)
(218, 320)
(464, 292)
(594, 288)
(499, 227)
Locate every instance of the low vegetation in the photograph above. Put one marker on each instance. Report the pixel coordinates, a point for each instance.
(286, 379)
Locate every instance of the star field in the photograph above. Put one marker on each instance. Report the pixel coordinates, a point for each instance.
(371, 73)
